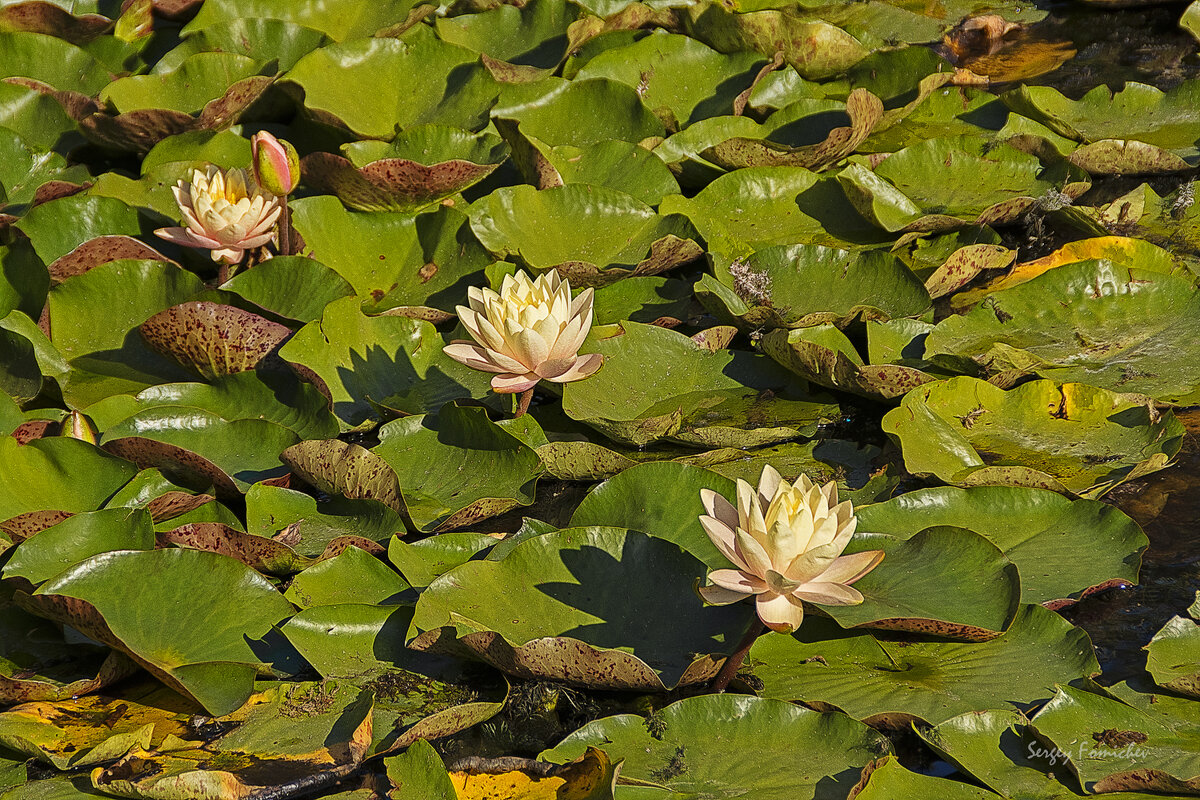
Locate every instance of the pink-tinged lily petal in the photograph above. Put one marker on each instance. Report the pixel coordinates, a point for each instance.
(585, 367)
(474, 357)
(751, 552)
(768, 484)
(722, 538)
(721, 509)
(736, 580)
(848, 569)
(782, 613)
(184, 237)
(276, 163)
(720, 596)
(513, 384)
(811, 564)
(228, 255)
(554, 370)
(828, 594)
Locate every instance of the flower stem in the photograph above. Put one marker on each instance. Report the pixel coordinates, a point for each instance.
(523, 403)
(285, 231)
(734, 662)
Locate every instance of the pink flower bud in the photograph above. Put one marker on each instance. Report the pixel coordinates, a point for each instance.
(276, 164)
(77, 426)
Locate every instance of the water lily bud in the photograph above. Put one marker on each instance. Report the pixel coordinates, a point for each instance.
(786, 541)
(530, 331)
(77, 426)
(276, 165)
(222, 214)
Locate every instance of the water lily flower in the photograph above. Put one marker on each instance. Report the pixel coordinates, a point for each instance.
(786, 541)
(276, 164)
(530, 331)
(222, 213)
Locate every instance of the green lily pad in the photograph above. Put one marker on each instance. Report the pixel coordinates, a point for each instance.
(666, 302)
(274, 397)
(58, 473)
(34, 115)
(580, 605)
(800, 285)
(91, 217)
(944, 184)
(185, 615)
(721, 398)
(458, 467)
(611, 163)
(79, 537)
(533, 35)
(353, 576)
(590, 234)
(291, 287)
(756, 207)
(25, 169)
(187, 443)
(1088, 440)
(423, 561)
(724, 746)
(37, 664)
(1112, 326)
(1113, 746)
(824, 355)
(814, 48)
(93, 317)
(349, 20)
(334, 77)
(1173, 655)
(360, 361)
(893, 683)
(1137, 111)
(197, 81)
(1091, 545)
(886, 778)
(677, 74)
(660, 499)
(584, 112)
(271, 509)
(52, 61)
(260, 38)
(394, 259)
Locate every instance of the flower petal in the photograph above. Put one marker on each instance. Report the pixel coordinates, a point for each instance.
(828, 594)
(848, 569)
(513, 384)
(751, 552)
(719, 508)
(736, 580)
(722, 537)
(473, 356)
(584, 367)
(720, 596)
(782, 613)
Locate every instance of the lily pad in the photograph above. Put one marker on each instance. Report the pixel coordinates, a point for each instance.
(393, 361)
(187, 616)
(424, 561)
(592, 235)
(580, 113)
(422, 166)
(944, 184)
(1064, 550)
(394, 259)
(291, 287)
(188, 443)
(60, 474)
(721, 398)
(354, 19)
(317, 524)
(213, 339)
(1075, 438)
(77, 538)
(581, 606)
(1113, 746)
(893, 683)
(354, 576)
(1173, 655)
(727, 745)
(457, 467)
(1112, 326)
(800, 285)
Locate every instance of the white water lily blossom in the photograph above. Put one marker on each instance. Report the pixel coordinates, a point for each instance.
(786, 541)
(224, 213)
(530, 331)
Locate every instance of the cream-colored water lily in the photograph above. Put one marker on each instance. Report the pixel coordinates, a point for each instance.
(224, 213)
(530, 331)
(786, 541)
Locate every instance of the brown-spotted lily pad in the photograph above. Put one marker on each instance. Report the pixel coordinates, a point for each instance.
(351, 470)
(270, 556)
(602, 607)
(213, 339)
(100, 250)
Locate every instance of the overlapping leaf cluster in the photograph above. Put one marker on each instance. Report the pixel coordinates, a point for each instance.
(297, 543)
